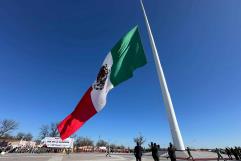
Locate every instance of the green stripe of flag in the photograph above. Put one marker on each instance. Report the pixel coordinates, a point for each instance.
(128, 54)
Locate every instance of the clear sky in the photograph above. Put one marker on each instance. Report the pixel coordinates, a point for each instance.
(51, 51)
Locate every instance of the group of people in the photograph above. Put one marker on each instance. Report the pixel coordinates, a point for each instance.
(171, 153)
(236, 152)
(32, 149)
(155, 151)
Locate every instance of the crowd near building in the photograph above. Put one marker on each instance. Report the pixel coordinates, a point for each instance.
(54, 145)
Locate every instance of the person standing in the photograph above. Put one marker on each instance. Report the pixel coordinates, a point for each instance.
(228, 152)
(171, 152)
(108, 151)
(157, 152)
(219, 155)
(189, 154)
(154, 151)
(233, 151)
(236, 153)
(239, 152)
(138, 152)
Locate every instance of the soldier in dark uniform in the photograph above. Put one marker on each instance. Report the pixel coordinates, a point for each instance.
(219, 154)
(239, 152)
(233, 151)
(228, 152)
(138, 152)
(157, 152)
(236, 153)
(189, 154)
(154, 151)
(171, 152)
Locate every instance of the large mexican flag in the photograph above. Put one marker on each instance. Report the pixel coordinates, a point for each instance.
(118, 66)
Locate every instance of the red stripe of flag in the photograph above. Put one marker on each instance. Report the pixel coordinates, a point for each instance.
(83, 112)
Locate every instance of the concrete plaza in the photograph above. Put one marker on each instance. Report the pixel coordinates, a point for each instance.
(76, 157)
(70, 157)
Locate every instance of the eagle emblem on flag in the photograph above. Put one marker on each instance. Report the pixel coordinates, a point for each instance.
(101, 78)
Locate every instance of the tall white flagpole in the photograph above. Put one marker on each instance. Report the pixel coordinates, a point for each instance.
(175, 131)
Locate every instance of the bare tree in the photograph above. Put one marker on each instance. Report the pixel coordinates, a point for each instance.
(101, 143)
(44, 131)
(24, 136)
(7, 136)
(73, 136)
(53, 130)
(84, 141)
(139, 139)
(28, 137)
(113, 146)
(20, 135)
(7, 126)
(121, 147)
(50, 131)
(37, 141)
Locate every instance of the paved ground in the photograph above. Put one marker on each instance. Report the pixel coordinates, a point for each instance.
(70, 157)
(78, 157)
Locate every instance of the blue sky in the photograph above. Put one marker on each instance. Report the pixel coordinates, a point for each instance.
(51, 51)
